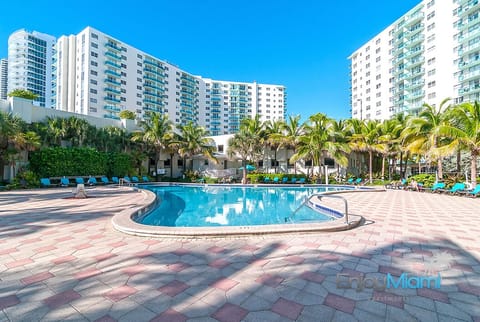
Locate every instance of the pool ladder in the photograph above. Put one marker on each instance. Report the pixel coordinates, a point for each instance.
(307, 203)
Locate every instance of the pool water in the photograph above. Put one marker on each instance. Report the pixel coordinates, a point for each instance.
(206, 206)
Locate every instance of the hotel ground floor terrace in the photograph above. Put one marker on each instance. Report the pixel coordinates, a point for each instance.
(61, 259)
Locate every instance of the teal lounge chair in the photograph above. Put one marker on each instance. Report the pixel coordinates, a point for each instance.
(437, 187)
(350, 181)
(92, 181)
(301, 180)
(275, 180)
(471, 193)
(104, 180)
(358, 181)
(145, 179)
(45, 182)
(294, 180)
(457, 187)
(127, 180)
(64, 182)
(266, 180)
(285, 180)
(135, 179)
(115, 180)
(79, 180)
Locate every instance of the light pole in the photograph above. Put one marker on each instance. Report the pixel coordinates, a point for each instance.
(361, 107)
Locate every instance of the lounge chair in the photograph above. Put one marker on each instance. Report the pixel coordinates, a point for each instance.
(145, 179)
(350, 181)
(275, 180)
(266, 180)
(135, 179)
(471, 193)
(358, 181)
(104, 180)
(301, 180)
(294, 180)
(285, 180)
(64, 182)
(127, 180)
(79, 180)
(437, 187)
(92, 181)
(45, 182)
(456, 188)
(115, 180)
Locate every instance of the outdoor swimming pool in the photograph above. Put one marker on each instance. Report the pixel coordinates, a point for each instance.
(220, 205)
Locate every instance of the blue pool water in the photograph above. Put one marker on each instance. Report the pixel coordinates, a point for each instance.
(203, 206)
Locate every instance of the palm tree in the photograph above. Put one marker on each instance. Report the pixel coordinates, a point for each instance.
(389, 137)
(10, 135)
(318, 139)
(157, 132)
(365, 138)
(247, 143)
(273, 131)
(467, 131)
(289, 137)
(192, 140)
(431, 132)
(56, 131)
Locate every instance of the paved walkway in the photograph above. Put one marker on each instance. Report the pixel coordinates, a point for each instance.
(60, 259)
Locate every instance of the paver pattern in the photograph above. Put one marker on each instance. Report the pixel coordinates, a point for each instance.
(61, 260)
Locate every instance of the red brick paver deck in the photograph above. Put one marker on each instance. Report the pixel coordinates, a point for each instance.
(61, 259)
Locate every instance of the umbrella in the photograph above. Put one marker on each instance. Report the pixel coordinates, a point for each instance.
(249, 167)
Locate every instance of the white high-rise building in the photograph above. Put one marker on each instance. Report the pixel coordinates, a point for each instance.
(30, 64)
(3, 78)
(412, 62)
(99, 75)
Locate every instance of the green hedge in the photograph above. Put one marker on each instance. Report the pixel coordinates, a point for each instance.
(58, 162)
(260, 177)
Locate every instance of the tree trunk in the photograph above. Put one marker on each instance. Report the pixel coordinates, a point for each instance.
(171, 165)
(440, 169)
(157, 158)
(459, 160)
(370, 166)
(244, 172)
(401, 163)
(383, 167)
(474, 169)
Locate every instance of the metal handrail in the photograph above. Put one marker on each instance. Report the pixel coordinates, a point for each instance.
(320, 196)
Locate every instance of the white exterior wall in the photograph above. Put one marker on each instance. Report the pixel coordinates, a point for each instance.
(417, 63)
(179, 94)
(3, 78)
(31, 68)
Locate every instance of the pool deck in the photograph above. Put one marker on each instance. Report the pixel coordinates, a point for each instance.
(61, 259)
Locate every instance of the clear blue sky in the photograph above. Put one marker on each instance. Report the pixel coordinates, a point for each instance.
(301, 44)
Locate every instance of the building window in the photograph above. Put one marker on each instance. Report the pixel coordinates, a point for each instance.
(94, 36)
(93, 72)
(93, 54)
(94, 45)
(431, 15)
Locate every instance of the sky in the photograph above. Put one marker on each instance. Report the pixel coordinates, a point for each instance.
(303, 44)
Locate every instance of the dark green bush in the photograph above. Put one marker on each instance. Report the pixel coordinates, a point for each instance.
(57, 162)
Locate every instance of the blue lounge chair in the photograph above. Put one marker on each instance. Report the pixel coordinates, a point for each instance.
(79, 180)
(358, 181)
(266, 180)
(471, 193)
(64, 182)
(294, 180)
(104, 180)
(115, 180)
(275, 180)
(135, 179)
(285, 180)
(350, 181)
(45, 182)
(145, 179)
(456, 188)
(92, 181)
(301, 180)
(437, 187)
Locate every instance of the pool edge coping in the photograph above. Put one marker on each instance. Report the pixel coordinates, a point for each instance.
(123, 222)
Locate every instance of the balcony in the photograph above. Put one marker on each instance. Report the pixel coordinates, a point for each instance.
(152, 109)
(112, 72)
(156, 102)
(187, 85)
(111, 99)
(111, 108)
(111, 81)
(112, 90)
(152, 94)
(153, 87)
(111, 116)
(153, 64)
(186, 104)
(152, 71)
(112, 55)
(154, 79)
(113, 46)
(112, 64)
